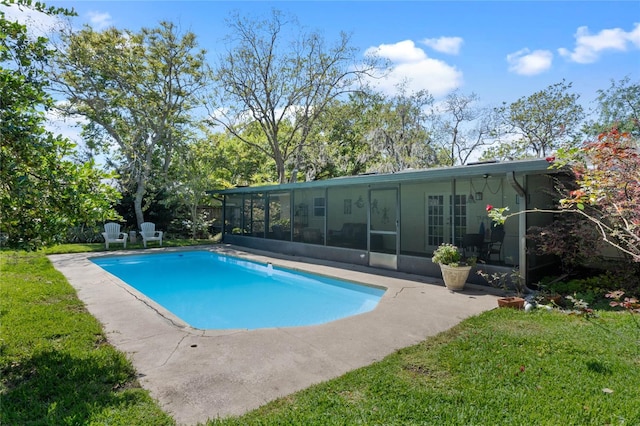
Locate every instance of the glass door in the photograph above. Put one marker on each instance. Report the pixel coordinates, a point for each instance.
(436, 225)
(384, 223)
(446, 220)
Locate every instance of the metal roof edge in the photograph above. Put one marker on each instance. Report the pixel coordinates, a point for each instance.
(537, 166)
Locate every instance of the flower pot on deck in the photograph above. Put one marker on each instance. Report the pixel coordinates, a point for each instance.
(454, 276)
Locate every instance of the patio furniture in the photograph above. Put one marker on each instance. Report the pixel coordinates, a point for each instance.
(148, 233)
(112, 234)
(494, 246)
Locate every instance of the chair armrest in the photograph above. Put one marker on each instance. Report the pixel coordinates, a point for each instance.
(159, 234)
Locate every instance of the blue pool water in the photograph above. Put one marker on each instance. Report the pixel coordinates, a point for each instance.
(212, 291)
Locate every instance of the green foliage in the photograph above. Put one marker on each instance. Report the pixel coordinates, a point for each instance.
(619, 107)
(84, 234)
(590, 290)
(344, 150)
(607, 189)
(398, 132)
(541, 122)
(501, 367)
(555, 368)
(138, 91)
(56, 366)
(243, 163)
(195, 173)
(42, 191)
(593, 290)
(447, 254)
(96, 247)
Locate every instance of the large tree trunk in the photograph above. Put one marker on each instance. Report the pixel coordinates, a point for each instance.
(141, 182)
(194, 220)
(137, 201)
(279, 160)
(282, 178)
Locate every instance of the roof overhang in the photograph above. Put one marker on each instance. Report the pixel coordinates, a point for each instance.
(509, 169)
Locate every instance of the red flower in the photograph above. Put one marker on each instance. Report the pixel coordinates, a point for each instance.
(489, 207)
(550, 159)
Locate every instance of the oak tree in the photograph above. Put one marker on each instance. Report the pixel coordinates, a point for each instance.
(463, 126)
(399, 132)
(537, 125)
(282, 78)
(138, 92)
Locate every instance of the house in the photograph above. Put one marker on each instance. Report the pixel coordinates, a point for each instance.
(396, 221)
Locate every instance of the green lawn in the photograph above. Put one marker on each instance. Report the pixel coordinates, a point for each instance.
(502, 367)
(56, 366)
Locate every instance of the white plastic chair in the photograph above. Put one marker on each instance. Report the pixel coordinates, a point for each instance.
(112, 234)
(149, 233)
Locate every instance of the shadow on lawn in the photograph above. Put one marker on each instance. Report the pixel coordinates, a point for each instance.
(55, 387)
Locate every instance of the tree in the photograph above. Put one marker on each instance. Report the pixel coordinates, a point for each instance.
(42, 191)
(137, 90)
(537, 125)
(607, 172)
(197, 170)
(398, 132)
(244, 164)
(284, 88)
(608, 175)
(464, 127)
(341, 148)
(619, 107)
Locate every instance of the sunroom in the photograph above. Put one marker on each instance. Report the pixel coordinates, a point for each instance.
(395, 221)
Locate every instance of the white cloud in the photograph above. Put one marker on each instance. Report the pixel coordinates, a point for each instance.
(589, 46)
(99, 20)
(401, 52)
(449, 45)
(411, 64)
(525, 62)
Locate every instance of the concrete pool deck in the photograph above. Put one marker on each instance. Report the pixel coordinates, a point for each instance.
(202, 374)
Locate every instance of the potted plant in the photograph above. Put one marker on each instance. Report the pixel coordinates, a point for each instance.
(455, 270)
(508, 282)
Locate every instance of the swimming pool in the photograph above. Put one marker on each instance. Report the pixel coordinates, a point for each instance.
(213, 291)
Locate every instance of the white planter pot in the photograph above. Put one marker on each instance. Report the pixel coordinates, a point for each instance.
(455, 276)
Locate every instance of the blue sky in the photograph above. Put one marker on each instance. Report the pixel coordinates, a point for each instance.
(501, 50)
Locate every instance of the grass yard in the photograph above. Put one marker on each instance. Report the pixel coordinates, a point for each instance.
(502, 367)
(56, 366)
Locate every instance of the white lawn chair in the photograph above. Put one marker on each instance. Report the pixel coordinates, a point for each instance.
(112, 234)
(149, 233)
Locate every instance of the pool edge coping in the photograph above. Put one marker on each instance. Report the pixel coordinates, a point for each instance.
(197, 375)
